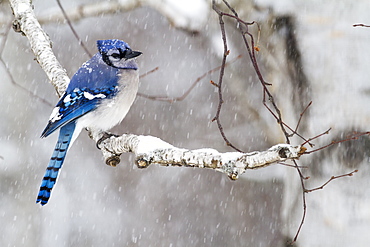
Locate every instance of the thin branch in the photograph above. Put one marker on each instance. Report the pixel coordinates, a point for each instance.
(305, 191)
(220, 79)
(182, 97)
(331, 179)
(73, 30)
(302, 178)
(300, 117)
(12, 80)
(316, 137)
(289, 165)
(354, 136)
(214, 83)
(287, 126)
(3, 41)
(360, 25)
(10, 75)
(148, 72)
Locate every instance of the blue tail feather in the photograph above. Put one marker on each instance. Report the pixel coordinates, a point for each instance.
(55, 163)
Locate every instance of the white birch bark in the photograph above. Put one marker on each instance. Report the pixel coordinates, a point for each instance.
(152, 150)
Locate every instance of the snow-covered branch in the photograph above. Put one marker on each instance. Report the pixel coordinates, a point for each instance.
(26, 23)
(152, 150)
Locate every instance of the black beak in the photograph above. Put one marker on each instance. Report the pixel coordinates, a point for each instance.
(131, 54)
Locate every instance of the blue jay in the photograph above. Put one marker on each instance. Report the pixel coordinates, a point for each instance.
(98, 97)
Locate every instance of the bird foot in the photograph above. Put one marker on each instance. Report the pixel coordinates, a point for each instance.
(104, 137)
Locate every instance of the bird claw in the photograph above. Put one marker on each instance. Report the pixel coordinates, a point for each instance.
(104, 137)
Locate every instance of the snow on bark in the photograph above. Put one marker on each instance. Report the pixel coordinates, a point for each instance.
(152, 150)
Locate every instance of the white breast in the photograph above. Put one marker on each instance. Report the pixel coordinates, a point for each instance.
(112, 111)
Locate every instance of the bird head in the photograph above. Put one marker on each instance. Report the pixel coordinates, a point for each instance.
(117, 53)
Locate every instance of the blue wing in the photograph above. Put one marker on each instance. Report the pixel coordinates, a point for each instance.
(93, 82)
(76, 104)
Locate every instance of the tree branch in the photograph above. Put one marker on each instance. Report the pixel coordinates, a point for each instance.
(152, 150)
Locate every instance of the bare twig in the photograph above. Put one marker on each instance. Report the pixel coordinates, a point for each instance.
(287, 126)
(300, 117)
(331, 179)
(360, 25)
(214, 83)
(3, 41)
(315, 137)
(220, 79)
(73, 30)
(289, 165)
(353, 136)
(305, 191)
(7, 70)
(182, 97)
(302, 178)
(148, 72)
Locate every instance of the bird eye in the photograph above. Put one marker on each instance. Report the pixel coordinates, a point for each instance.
(116, 55)
(123, 53)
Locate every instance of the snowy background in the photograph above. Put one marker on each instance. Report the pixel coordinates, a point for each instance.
(96, 205)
